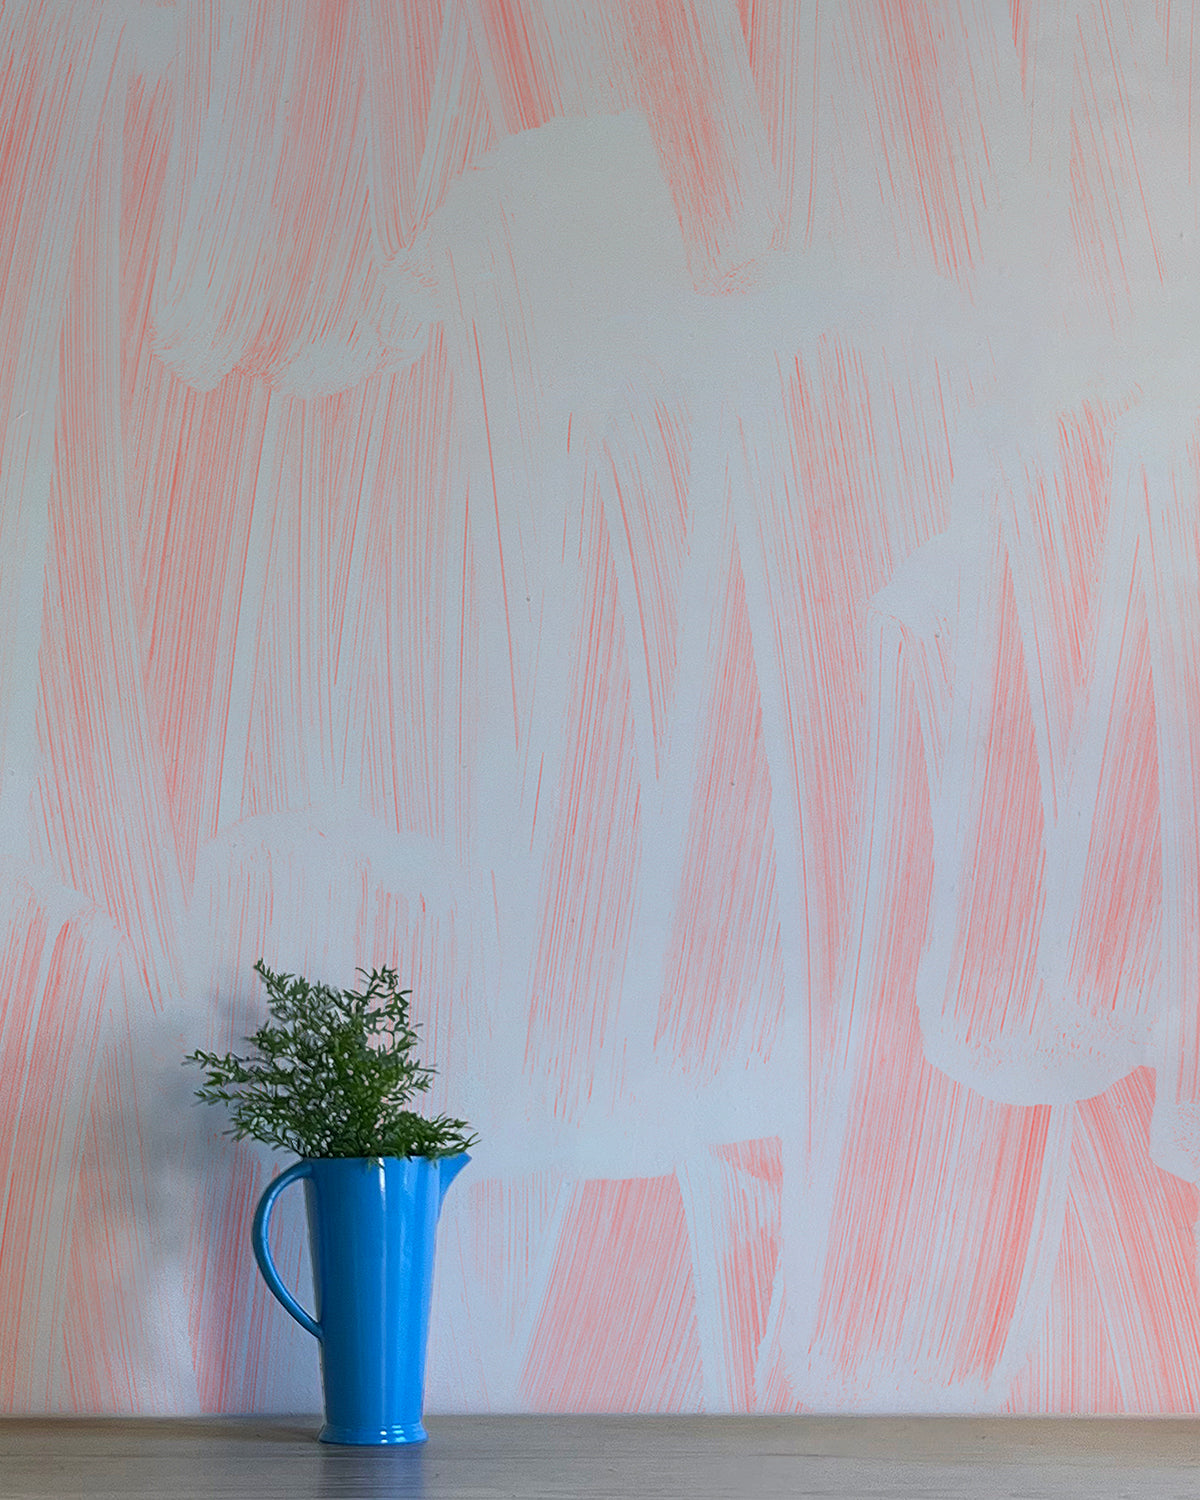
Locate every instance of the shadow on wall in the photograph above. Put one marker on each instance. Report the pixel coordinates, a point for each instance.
(160, 1308)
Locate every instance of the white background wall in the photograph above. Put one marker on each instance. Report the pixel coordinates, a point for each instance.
(675, 525)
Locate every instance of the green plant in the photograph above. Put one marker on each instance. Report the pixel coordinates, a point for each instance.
(333, 1074)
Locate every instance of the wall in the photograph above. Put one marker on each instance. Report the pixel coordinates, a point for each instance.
(675, 524)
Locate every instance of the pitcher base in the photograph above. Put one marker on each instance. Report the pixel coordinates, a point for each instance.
(401, 1432)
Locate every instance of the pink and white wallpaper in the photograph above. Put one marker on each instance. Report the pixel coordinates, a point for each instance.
(676, 524)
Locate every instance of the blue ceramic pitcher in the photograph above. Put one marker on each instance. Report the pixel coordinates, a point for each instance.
(372, 1223)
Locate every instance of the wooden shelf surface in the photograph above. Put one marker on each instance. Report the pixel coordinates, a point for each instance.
(604, 1457)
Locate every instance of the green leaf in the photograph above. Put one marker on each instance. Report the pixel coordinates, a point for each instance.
(331, 1074)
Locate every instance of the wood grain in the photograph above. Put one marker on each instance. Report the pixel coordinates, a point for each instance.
(600, 1458)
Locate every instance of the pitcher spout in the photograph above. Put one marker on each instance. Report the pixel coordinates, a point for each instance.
(448, 1169)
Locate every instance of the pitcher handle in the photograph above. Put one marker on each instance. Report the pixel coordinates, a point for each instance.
(262, 1253)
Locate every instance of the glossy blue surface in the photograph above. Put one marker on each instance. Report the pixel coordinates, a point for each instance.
(372, 1224)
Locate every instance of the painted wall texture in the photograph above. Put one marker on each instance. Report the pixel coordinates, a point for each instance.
(676, 524)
